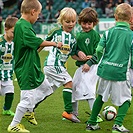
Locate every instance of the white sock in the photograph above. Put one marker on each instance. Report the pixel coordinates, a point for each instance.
(75, 108)
(20, 111)
(91, 102)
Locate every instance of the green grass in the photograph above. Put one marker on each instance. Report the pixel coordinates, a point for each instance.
(48, 113)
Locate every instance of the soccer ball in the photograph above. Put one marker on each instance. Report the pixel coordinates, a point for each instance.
(109, 113)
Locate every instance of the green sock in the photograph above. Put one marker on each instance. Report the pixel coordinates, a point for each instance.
(67, 97)
(95, 110)
(122, 110)
(8, 101)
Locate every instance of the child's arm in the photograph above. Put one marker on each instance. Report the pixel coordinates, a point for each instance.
(81, 56)
(49, 43)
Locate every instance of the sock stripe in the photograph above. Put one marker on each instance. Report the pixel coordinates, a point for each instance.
(67, 90)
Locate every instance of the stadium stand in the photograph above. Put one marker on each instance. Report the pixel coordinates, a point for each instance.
(48, 16)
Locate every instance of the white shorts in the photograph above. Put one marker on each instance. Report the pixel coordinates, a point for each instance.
(6, 87)
(29, 98)
(57, 76)
(84, 84)
(131, 77)
(118, 91)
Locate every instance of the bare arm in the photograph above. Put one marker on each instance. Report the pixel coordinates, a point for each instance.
(49, 43)
(75, 57)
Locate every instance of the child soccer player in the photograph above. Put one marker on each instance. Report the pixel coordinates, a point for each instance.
(27, 65)
(6, 65)
(54, 65)
(85, 77)
(131, 68)
(113, 70)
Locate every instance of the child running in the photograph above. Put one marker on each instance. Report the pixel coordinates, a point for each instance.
(27, 65)
(131, 68)
(7, 65)
(113, 71)
(54, 65)
(85, 77)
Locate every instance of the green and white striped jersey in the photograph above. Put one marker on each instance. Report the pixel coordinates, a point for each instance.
(58, 57)
(6, 59)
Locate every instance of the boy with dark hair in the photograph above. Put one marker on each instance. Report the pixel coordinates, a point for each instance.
(6, 65)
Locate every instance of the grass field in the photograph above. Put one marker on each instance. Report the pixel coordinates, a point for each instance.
(48, 113)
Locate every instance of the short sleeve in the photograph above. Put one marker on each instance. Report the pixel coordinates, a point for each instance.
(31, 40)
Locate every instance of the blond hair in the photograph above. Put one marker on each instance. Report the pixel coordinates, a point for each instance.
(10, 22)
(88, 15)
(28, 5)
(67, 13)
(123, 12)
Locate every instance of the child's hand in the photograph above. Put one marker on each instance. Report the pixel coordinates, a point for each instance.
(89, 57)
(85, 68)
(59, 45)
(82, 56)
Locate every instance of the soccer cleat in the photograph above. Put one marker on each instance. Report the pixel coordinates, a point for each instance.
(30, 117)
(8, 112)
(70, 117)
(17, 128)
(90, 127)
(99, 119)
(119, 129)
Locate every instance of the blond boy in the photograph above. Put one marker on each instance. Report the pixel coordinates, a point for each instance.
(113, 70)
(27, 65)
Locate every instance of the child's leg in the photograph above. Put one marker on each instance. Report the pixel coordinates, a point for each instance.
(75, 108)
(91, 102)
(95, 110)
(8, 91)
(20, 111)
(67, 97)
(26, 104)
(122, 113)
(8, 101)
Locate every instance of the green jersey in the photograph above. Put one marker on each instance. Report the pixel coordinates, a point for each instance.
(6, 59)
(117, 45)
(58, 57)
(27, 61)
(87, 43)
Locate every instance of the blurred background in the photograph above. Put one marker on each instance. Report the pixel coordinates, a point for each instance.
(51, 10)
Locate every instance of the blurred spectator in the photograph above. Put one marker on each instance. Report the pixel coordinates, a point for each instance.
(67, 0)
(86, 3)
(119, 2)
(109, 11)
(17, 12)
(57, 14)
(102, 5)
(99, 11)
(41, 18)
(19, 5)
(93, 4)
(127, 1)
(49, 5)
(1, 6)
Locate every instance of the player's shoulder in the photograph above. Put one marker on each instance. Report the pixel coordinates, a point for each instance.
(54, 30)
